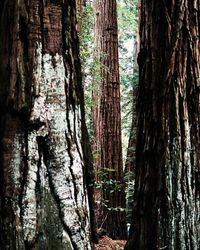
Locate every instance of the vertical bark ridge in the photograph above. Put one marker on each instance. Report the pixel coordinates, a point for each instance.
(42, 124)
(107, 118)
(166, 211)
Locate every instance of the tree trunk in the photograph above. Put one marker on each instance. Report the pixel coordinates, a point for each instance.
(79, 12)
(44, 200)
(131, 150)
(166, 210)
(96, 86)
(130, 162)
(108, 123)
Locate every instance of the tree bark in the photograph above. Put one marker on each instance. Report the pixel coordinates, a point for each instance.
(130, 161)
(79, 12)
(44, 154)
(108, 119)
(166, 209)
(131, 150)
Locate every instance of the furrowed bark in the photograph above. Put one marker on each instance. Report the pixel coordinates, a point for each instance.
(166, 209)
(44, 199)
(107, 117)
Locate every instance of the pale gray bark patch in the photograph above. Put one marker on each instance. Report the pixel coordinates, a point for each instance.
(54, 164)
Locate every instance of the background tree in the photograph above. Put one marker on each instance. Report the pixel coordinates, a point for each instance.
(86, 55)
(128, 47)
(84, 26)
(128, 51)
(44, 150)
(166, 209)
(79, 11)
(107, 120)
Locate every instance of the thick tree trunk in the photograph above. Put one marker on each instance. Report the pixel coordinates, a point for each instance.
(44, 200)
(108, 123)
(166, 211)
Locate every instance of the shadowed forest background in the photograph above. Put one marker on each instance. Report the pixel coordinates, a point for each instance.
(99, 124)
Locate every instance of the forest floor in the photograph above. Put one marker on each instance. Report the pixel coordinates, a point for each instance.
(106, 243)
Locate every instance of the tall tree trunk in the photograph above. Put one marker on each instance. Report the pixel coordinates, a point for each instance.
(131, 150)
(129, 170)
(108, 124)
(44, 200)
(90, 175)
(166, 211)
(130, 159)
(96, 85)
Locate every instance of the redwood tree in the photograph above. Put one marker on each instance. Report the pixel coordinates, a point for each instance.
(166, 209)
(44, 200)
(107, 119)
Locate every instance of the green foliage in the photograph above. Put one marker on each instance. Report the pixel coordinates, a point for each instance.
(109, 185)
(106, 183)
(128, 33)
(86, 35)
(127, 18)
(128, 36)
(90, 59)
(91, 67)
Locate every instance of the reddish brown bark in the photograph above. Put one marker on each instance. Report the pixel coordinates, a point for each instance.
(45, 164)
(166, 208)
(107, 115)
